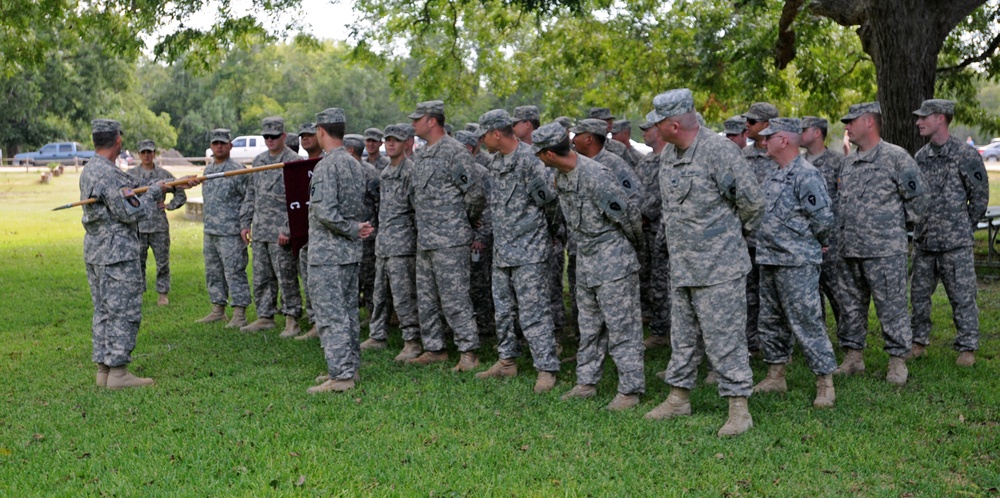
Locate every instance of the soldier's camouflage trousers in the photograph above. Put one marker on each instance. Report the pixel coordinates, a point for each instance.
(116, 292)
(226, 270)
(304, 277)
(884, 281)
(274, 267)
(659, 286)
(791, 309)
(395, 285)
(611, 323)
(159, 242)
(366, 280)
(335, 303)
(956, 270)
(443, 295)
(521, 294)
(481, 291)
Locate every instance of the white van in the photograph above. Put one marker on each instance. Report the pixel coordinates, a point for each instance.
(245, 148)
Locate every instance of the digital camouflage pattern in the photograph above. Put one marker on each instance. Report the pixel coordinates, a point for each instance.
(157, 222)
(625, 175)
(829, 164)
(610, 324)
(395, 247)
(395, 288)
(225, 253)
(797, 216)
(443, 295)
(111, 254)
(224, 198)
(648, 172)
(481, 277)
(447, 201)
(790, 308)
(957, 188)
(159, 242)
(370, 214)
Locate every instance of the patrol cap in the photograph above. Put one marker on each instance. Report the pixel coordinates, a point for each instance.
(735, 125)
(856, 110)
(373, 134)
(495, 119)
(525, 113)
(548, 135)
(620, 126)
(671, 103)
(354, 141)
(307, 129)
(600, 113)
(221, 135)
(645, 125)
(467, 138)
(761, 111)
(791, 125)
(401, 132)
(428, 107)
(447, 128)
(590, 125)
(147, 144)
(814, 122)
(273, 125)
(473, 127)
(102, 125)
(565, 121)
(331, 115)
(936, 106)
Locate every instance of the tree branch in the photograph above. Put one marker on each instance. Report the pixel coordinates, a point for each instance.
(843, 12)
(784, 49)
(990, 50)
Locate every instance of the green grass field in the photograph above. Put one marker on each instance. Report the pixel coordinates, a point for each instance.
(230, 415)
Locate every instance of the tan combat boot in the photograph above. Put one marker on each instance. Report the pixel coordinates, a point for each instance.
(854, 363)
(411, 350)
(623, 402)
(655, 342)
(739, 421)
(313, 333)
(678, 403)
(545, 382)
(662, 375)
(825, 395)
(711, 379)
(373, 344)
(331, 385)
(217, 314)
(468, 362)
(325, 377)
(239, 318)
(163, 300)
(897, 371)
(261, 323)
(917, 351)
(428, 357)
(120, 377)
(966, 359)
(774, 382)
(502, 368)
(580, 391)
(291, 328)
(102, 375)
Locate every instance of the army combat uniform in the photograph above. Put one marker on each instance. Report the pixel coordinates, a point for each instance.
(225, 253)
(762, 167)
(154, 230)
(829, 164)
(657, 298)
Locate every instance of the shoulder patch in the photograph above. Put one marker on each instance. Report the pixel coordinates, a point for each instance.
(130, 200)
(911, 183)
(813, 201)
(539, 191)
(611, 205)
(460, 177)
(727, 187)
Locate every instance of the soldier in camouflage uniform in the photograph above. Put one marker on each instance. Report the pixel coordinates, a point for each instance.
(526, 120)
(154, 230)
(709, 198)
(608, 230)
(111, 253)
(829, 164)
(355, 144)
(880, 193)
(224, 250)
(336, 228)
(657, 264)
(958, 193)
(310, 144)
(615, 147)
(274, 265)
(621, 131)
(373, 144)
(735, 129)
(395, 249)
(447, 202)
(790, 240)
(757, 118)
(481, 281)
(590, 140)
(521, 200)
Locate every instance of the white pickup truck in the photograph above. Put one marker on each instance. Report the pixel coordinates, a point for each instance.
(245, 148)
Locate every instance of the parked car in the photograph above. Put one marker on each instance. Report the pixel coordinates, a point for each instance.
(53, 152)
(245, 148)
(990, 152)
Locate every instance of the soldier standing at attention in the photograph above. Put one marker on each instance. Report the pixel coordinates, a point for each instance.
(355, 146)
(521, 200)
(790, 241)
(395, 247)
(710, 197)
(958, 193)
(447, 202)
(154, 230)
(607, 230)
(310, 144)
(274, 266)
(880, 193)
(336, 229)
(111, 253)
(224, 250)
(481, 278)
(590, 140)
(373, 144)
(658, 297)
(829, 164)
